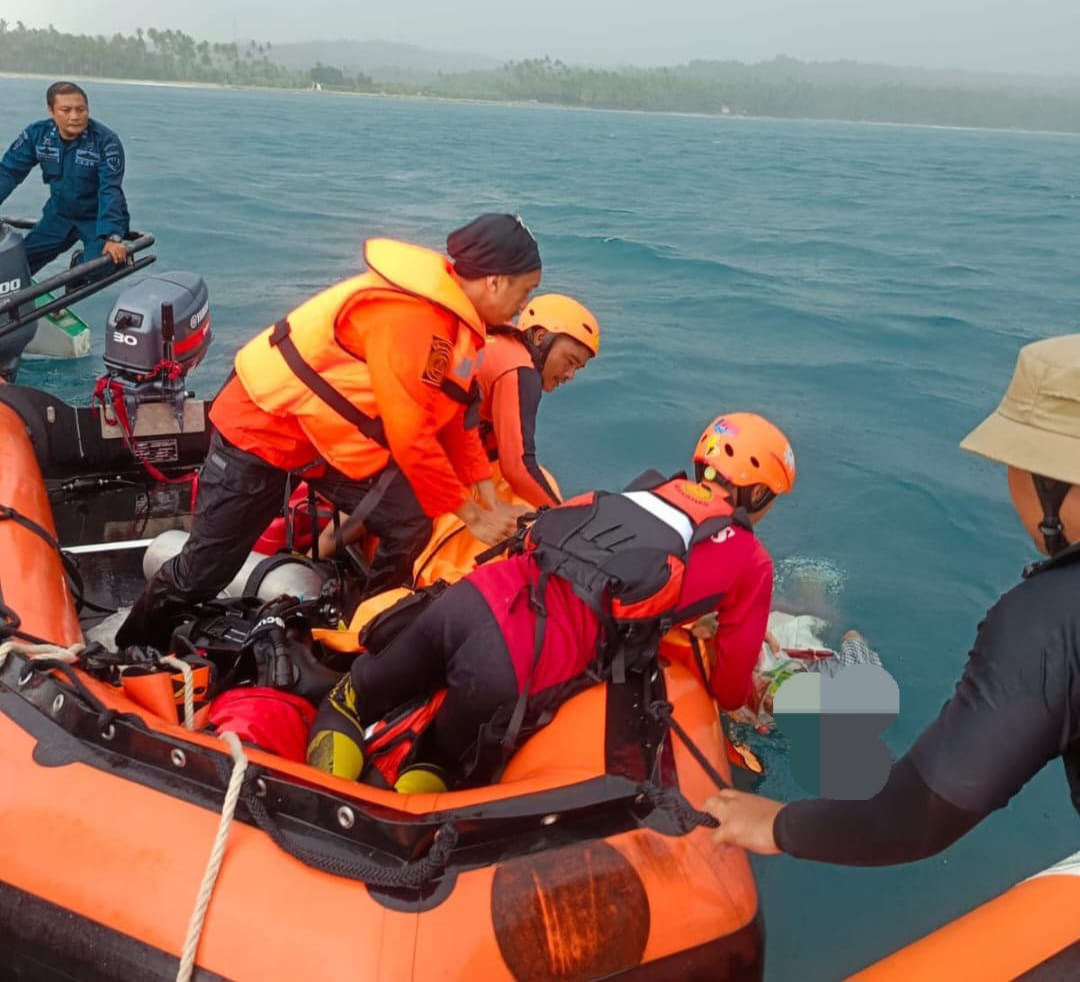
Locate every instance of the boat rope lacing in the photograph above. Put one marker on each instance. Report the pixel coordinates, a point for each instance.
(189, 687)
(217, 854)
(672, 802)
(69, 656)
(664, 712)
(412, 874)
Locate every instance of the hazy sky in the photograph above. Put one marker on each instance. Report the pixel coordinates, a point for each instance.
(1036, 36)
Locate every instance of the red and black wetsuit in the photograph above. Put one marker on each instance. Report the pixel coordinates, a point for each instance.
(477, 639)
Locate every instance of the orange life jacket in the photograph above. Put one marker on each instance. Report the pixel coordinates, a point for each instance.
(311, 365)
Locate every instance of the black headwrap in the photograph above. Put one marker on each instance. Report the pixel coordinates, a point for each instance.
(493, 245)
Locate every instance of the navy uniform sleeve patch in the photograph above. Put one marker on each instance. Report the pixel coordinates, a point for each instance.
(114, 162)
(438, 362)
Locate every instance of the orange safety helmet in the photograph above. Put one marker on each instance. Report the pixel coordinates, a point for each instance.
(744, 450)
(562, 315)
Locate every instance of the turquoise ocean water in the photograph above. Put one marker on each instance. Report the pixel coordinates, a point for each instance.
(865, 286)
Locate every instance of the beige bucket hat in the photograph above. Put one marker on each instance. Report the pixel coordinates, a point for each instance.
(1037, 425)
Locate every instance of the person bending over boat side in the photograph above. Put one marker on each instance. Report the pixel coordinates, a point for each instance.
(366, 385)
(82, 163)
(554, 338)
(481, 640)
(1017, 704)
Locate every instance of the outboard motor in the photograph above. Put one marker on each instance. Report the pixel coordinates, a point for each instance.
(14, 276)
(157, 332)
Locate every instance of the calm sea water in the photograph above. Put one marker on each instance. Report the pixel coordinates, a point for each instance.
(865, 286)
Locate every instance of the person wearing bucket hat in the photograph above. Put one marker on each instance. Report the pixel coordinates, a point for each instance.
(1017, 704)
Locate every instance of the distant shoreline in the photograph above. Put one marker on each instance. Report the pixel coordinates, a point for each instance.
(529, 104)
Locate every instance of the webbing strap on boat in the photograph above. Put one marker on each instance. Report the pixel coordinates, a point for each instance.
(9, 619)
(665, 712)
(7, 513)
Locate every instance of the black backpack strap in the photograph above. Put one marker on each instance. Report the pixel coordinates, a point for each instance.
(536, 602)
(286, 511)
(378, 634)
(646, 481)
(741, 518)
(711, 526)
(512, 543)
(632, 651)
(266, 566)
(617, 661)
(313, 517)
(695, 647)
(496, 550)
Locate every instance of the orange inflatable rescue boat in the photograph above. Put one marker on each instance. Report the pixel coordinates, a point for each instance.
(134, 848)
(1030, 933)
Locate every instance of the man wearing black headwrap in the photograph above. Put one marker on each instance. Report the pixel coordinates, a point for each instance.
(495, 259)
(365, 390)
(493, 245)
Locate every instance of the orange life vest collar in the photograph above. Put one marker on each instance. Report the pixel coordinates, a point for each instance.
(700, 502)
(422, 273)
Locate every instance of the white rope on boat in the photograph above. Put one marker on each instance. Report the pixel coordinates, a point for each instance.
(67, 655)
(228, 810)
(189, 687)
(70, 656)
(217, 854)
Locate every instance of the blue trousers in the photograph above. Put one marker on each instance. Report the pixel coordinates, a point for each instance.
(55, 234)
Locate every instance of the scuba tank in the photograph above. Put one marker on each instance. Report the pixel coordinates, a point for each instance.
(261, 576)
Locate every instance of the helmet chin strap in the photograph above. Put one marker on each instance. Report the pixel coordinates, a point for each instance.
(745, 498)
(741, 496)
(1051, 494)
(540, 351)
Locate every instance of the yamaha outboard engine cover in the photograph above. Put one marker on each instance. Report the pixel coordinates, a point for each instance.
(14, 276)
(161, 318)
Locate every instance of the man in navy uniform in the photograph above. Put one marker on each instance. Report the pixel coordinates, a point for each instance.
(82, 162)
